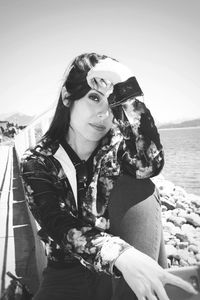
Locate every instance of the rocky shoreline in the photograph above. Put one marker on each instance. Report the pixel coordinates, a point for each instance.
(181, 223)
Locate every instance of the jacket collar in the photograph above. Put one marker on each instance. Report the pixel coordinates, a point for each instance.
(68, 167)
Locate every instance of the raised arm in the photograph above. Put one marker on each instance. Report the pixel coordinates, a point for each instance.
(141, 153)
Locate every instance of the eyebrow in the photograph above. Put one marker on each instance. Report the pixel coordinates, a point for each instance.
(98, 92)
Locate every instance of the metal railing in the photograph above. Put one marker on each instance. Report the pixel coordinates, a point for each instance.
(29, 136)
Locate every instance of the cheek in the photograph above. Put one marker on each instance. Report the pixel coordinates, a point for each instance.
(78, 118)
(110, 119)
(77, 122)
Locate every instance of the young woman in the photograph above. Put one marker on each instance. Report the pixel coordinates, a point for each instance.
(87, 185)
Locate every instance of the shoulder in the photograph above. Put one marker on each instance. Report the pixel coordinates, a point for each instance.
(39, 156)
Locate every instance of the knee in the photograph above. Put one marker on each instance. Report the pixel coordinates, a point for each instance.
(130, 191)
(127, 193)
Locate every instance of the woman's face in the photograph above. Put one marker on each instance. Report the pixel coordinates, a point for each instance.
(91, 117)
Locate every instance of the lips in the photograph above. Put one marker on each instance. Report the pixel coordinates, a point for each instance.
(98, 127)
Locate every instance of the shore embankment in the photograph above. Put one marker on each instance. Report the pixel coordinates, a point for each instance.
(181, 223)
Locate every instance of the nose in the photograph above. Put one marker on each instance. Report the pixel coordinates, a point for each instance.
(103, 110)
(103, 115)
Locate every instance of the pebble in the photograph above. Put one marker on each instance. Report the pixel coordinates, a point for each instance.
(168, 203)
(177, 221)
(170, 250)
(194, 200)
(193, 248)
(181, 223)
(197, 257)
(183, 245)
(193, 219)
(183, 263)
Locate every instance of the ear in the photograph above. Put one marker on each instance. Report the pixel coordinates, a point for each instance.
(64, 95)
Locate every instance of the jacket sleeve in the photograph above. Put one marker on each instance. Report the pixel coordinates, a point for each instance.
(141, 152)
(95, 249)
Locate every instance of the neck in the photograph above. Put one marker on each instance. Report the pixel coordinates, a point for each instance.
(80, 145)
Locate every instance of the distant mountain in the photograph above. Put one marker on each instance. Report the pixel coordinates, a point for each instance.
(17, 118)
(190, 123)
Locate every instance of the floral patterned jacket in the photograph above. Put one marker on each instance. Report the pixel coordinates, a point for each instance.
(50, 183)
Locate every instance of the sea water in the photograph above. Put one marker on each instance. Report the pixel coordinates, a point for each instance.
(182, 157)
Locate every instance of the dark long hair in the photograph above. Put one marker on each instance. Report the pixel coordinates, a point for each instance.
(77, 87)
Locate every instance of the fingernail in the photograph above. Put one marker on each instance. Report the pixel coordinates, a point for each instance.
(194, 291)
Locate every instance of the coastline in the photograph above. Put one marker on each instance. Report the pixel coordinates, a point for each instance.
(179, 128)
(181, 223)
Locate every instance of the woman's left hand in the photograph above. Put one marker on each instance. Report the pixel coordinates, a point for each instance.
(146, 278)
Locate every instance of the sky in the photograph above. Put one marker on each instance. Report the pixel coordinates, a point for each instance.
(159, 40)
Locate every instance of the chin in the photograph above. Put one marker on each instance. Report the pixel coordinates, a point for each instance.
(94, 138)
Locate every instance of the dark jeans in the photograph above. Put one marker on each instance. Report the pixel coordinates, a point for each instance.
(75, 283)
(135, 216)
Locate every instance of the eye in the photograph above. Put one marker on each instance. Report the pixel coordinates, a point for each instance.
(94, 97)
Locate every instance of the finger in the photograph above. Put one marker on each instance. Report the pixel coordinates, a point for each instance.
(142, 298)
(108, 82)
(103, 82)
(175, 280)
(150, 293)
(94, 83)
(151, 296)
(97, 80)
(160, 292)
